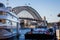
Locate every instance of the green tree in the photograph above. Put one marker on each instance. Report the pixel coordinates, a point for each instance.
(59, 15)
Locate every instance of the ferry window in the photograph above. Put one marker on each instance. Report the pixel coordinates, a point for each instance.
(12, 16)
(15, 18)
(14, 24)
(2, 5)
(0, 20)
(2, 13)
(8, 22)
(9, 15)
(3, 20)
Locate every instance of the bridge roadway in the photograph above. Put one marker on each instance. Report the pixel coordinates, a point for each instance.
(30, 19)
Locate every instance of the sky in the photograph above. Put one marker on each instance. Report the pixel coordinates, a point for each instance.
(48, 8)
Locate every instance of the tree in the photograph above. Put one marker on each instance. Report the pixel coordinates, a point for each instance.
(59, 15)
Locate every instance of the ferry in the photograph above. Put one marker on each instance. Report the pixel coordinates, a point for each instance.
(9, 22)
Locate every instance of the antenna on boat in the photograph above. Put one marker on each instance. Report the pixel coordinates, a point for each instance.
(7, 3)
(8, 7)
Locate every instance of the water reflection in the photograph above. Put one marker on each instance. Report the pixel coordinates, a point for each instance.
(22, 37)
(18, 38)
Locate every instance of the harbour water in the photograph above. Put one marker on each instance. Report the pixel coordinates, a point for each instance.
(21, 37)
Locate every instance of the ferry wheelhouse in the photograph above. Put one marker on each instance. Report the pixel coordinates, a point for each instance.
(9, 22)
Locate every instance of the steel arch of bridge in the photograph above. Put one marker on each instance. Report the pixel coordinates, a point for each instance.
(32, 11)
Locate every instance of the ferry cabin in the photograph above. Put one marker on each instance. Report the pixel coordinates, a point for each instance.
(8, 20)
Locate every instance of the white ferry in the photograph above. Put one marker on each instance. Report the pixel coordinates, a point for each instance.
(9, 22)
